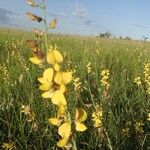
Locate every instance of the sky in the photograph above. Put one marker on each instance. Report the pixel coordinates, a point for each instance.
(84, 17)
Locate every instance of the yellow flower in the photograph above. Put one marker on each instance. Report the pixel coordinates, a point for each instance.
(139, 126)
(88, 66)
(58, 98)
(25, 109)
(36, 60)
(77, 84)
(54, 57)
(65, 132)
(105, 75)
(105, 72)
(148, 118)
(137, 80)
(62, 77)
(47, 83)
(81, 116)
(60, 116)
(9, 146)
(97, 117)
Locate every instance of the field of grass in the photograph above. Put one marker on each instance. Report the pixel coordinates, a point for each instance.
(125, 105)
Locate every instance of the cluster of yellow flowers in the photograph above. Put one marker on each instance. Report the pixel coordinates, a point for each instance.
(138, 81)
(125, 131)
(139, 126)
(147, 76)
(97, 116)
(88, 67)
(30, 115)
(53, 84)
(9, 146)
(77, 84)
(5, 73)
(104, 81)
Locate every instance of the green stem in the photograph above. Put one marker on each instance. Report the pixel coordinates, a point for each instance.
(108, 139)
(45, 25)
(73, 138)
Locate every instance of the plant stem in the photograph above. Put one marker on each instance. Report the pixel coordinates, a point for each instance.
(73, 138)
(45, 25)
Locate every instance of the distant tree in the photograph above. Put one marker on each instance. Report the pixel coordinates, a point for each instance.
(120, 37)
(127, 38)
(145, 38)
(105, 35)
(108, 34)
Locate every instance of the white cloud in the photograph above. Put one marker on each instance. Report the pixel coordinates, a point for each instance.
(59, 14)
(80, 11)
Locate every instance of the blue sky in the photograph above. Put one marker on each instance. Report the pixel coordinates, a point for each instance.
(84, 17)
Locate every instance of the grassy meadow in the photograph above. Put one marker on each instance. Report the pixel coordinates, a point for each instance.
(125, 103)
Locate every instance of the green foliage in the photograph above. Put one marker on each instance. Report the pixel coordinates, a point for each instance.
(124, 106)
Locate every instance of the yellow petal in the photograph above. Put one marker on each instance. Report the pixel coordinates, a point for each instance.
(62, 88)
(67, 77)
(53, 24)
(58, 98)
(63, 77)
(35, 60)
(80, 127)
(65, 130)
(63, 142)
(56, 67)
(81, 115)
(61, 111)
(48, 74)
(58, 77)
(47, 94)
(54, 57)
(44, 87)
(54, 121)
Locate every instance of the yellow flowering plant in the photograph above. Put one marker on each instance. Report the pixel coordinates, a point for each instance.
(53, 84)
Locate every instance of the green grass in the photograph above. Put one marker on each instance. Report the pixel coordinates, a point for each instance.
(125, 101)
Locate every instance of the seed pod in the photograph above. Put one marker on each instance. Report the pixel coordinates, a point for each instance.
(38, 32)
(32, 3)
(34, 17)
(53, 24)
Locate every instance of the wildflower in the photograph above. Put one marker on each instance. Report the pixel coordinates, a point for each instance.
(54, 57)
(137, 80)
(53, 24)
(148, 118)
(25, 109)
(30, 115)
(34, 17)
(53, 85)
(88, 66)
(104, 81)
(60, 116)
(147, 76)
(77, 84)
(65, 132)
(125, 131)
(139, 126)
(62, 78)
(38, 58)
(81, 116)
(9, 146)
(97, 117)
